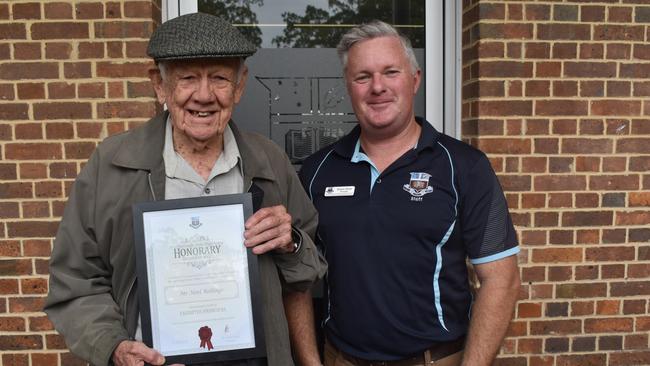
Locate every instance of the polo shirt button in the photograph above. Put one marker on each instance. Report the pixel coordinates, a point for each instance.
(207, 190)
(378, 180)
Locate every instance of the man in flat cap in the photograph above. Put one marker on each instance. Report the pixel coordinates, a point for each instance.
(190, 150)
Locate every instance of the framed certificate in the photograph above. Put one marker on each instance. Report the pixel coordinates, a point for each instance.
(198, 285)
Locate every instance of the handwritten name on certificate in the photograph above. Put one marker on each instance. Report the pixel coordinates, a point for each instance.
(197, 272)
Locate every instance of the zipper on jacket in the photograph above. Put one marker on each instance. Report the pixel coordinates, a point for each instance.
(153, 194)
(125, 305)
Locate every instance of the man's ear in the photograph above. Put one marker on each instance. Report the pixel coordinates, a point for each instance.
(241, 85)
(156, 80)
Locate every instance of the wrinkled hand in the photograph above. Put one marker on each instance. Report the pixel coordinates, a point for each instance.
(269, 229)
(132, 353)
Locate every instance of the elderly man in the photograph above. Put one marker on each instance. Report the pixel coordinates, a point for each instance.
(190, 151)
(401, 207)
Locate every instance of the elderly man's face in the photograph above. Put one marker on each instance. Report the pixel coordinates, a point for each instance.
(201, 94)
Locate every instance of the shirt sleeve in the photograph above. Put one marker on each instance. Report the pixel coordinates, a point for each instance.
(488, 232)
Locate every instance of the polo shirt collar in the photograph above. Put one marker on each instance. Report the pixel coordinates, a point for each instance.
(349, 145)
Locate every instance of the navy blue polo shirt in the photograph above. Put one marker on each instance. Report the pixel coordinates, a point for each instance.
(397, 245)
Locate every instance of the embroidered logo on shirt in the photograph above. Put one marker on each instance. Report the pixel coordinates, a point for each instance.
(418, 185)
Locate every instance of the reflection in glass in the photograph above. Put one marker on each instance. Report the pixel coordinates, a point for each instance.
(315, 23)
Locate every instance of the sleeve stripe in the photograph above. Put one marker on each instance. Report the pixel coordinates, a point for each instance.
(494, 257)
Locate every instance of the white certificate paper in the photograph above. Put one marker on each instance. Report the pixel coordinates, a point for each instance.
(198, 279)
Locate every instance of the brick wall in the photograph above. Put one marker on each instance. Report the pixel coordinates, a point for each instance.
(71, 73)
(557, 93)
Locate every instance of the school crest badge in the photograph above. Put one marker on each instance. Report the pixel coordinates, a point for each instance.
(418, 186)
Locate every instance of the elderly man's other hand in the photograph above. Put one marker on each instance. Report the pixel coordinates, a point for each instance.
(269, 229)
(133, 353)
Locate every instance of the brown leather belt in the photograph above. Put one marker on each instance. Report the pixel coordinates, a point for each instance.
(436, 351)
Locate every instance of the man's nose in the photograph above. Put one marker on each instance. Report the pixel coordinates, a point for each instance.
(204, 92)
(377, 83)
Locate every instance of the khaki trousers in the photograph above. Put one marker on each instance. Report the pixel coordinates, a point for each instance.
(334, 357)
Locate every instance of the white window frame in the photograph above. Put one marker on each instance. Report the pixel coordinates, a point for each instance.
(443, 69)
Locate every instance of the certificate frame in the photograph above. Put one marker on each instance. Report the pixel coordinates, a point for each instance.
(152, 319)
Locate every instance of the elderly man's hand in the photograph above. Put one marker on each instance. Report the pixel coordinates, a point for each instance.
(269, 229)
(133, 353)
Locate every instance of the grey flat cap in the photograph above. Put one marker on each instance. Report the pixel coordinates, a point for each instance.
(198, 35)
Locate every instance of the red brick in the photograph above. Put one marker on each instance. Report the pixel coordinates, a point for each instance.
(59, 30)
(69, 359)
(592, 88)
(592, 51)
(565, 50)
(529, 310)
(642, 51)
(533, 164)
(13, 31)
(615, 108)
(123, 70)
(15, 267)
(121, 29)
(591, 127)
(560, 31)
(529, 345)
(537, 50)
(31, 90)
(546, 146)
(91, 50)
(77, 70)
(33, 171)
(113, 10)
(641, 89)
(16, 190)
(61, 170)
(91, 90)
(559, 183)
(561, 237)
(565, 88)
(7, 92)
(555, 327)
(55, 341)
(16, 359)
(58, 10)
(634, 307)
(586, 200)
(26, 304)
(608, 254)
(4, 11)
(533, 274)
(59, 130)
(32, 229)
(590, 69)
(618, 51)
(609, 325)
(557, 255)
(8, 286)
(48, 189)
(61, 90)
(634, 70)
(487, 49)
(529, 237)
(21, 151)
(538, 88)
(62, 110)
(639, 199)
(587, 218)
(613, 271)
(12, 324)
(20, 342)
(143, 9)
(505, 146)
(33, 286)
(89, 11)
(580, 290)
(546, 219)
(633, 145)
(44, 359)
(581, 308)
(614, 236)
(115, 49)
(586, 146)
(614, 182)
(58, 50)
(561, 107)
(136, 49)
(126, 109)
(28, 131)
(37, 248)
(79, 150)
(612, 32)
(592, 13)
(636, 341)
(630, 288)
(89, 129)
(29, 70)
(537, 12)
(513, 183)
(27, 51)
(548, 69)
(641, 217)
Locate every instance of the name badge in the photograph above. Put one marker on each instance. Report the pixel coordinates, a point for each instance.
(339, 191)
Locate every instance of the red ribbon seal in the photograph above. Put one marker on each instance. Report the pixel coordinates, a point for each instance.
(205, 333)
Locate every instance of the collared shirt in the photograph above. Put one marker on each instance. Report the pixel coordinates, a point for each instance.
(397, 242)
(182, 181)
